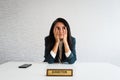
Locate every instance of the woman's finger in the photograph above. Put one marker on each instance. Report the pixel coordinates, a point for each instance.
(56, 33)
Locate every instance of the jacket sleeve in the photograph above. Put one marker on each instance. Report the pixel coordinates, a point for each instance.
(72, 58)
(47, 56)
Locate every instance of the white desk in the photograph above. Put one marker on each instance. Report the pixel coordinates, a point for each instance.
(81, 71)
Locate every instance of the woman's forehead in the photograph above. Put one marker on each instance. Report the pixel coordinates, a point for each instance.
(59, 24)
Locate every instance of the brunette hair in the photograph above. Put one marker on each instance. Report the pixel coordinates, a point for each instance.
(51, 34)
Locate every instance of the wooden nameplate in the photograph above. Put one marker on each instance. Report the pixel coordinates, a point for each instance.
(59, 72)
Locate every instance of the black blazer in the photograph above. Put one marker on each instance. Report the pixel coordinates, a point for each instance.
(48, 47)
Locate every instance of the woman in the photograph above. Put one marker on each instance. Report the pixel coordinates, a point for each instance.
(60, 45)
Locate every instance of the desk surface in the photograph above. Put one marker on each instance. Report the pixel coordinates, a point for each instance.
(81, 71)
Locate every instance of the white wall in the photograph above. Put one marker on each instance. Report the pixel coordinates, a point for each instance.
(94, 23)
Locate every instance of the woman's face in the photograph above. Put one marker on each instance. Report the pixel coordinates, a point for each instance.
(61, 29)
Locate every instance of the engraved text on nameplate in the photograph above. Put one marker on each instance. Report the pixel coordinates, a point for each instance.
(59, 72)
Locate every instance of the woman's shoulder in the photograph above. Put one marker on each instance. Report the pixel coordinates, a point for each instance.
(73, 38)
(48, 38)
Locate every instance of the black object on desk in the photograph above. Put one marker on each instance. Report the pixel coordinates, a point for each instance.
(24, 65)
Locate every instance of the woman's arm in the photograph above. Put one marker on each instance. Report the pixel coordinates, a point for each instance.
(72, 57)
(70, 54)
(48, 57)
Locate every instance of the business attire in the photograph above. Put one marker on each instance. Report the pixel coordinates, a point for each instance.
(61, 56)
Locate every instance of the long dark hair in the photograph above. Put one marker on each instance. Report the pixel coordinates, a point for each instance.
(51, 34)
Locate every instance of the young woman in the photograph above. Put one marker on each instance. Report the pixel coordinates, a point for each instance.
(59, 44)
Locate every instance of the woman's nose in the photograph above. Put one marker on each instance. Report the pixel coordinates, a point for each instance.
(61, 31)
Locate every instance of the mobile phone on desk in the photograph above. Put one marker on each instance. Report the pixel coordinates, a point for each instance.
(24, 65)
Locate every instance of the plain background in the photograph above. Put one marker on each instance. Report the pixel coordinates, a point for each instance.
(94, 23)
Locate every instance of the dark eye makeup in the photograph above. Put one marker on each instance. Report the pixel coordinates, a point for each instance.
(58, 28)
(62, 28)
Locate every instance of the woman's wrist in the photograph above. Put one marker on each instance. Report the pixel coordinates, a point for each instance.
(55, 48)
(57, 42)
(66, 46)
(65, 42)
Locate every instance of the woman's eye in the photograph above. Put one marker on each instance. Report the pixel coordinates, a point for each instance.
(63, 27)
(58, 28)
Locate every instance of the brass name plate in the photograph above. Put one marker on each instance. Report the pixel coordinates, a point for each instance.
(59, 72)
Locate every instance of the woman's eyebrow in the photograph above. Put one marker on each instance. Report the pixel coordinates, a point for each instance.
(57, 26)
(63, 27)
